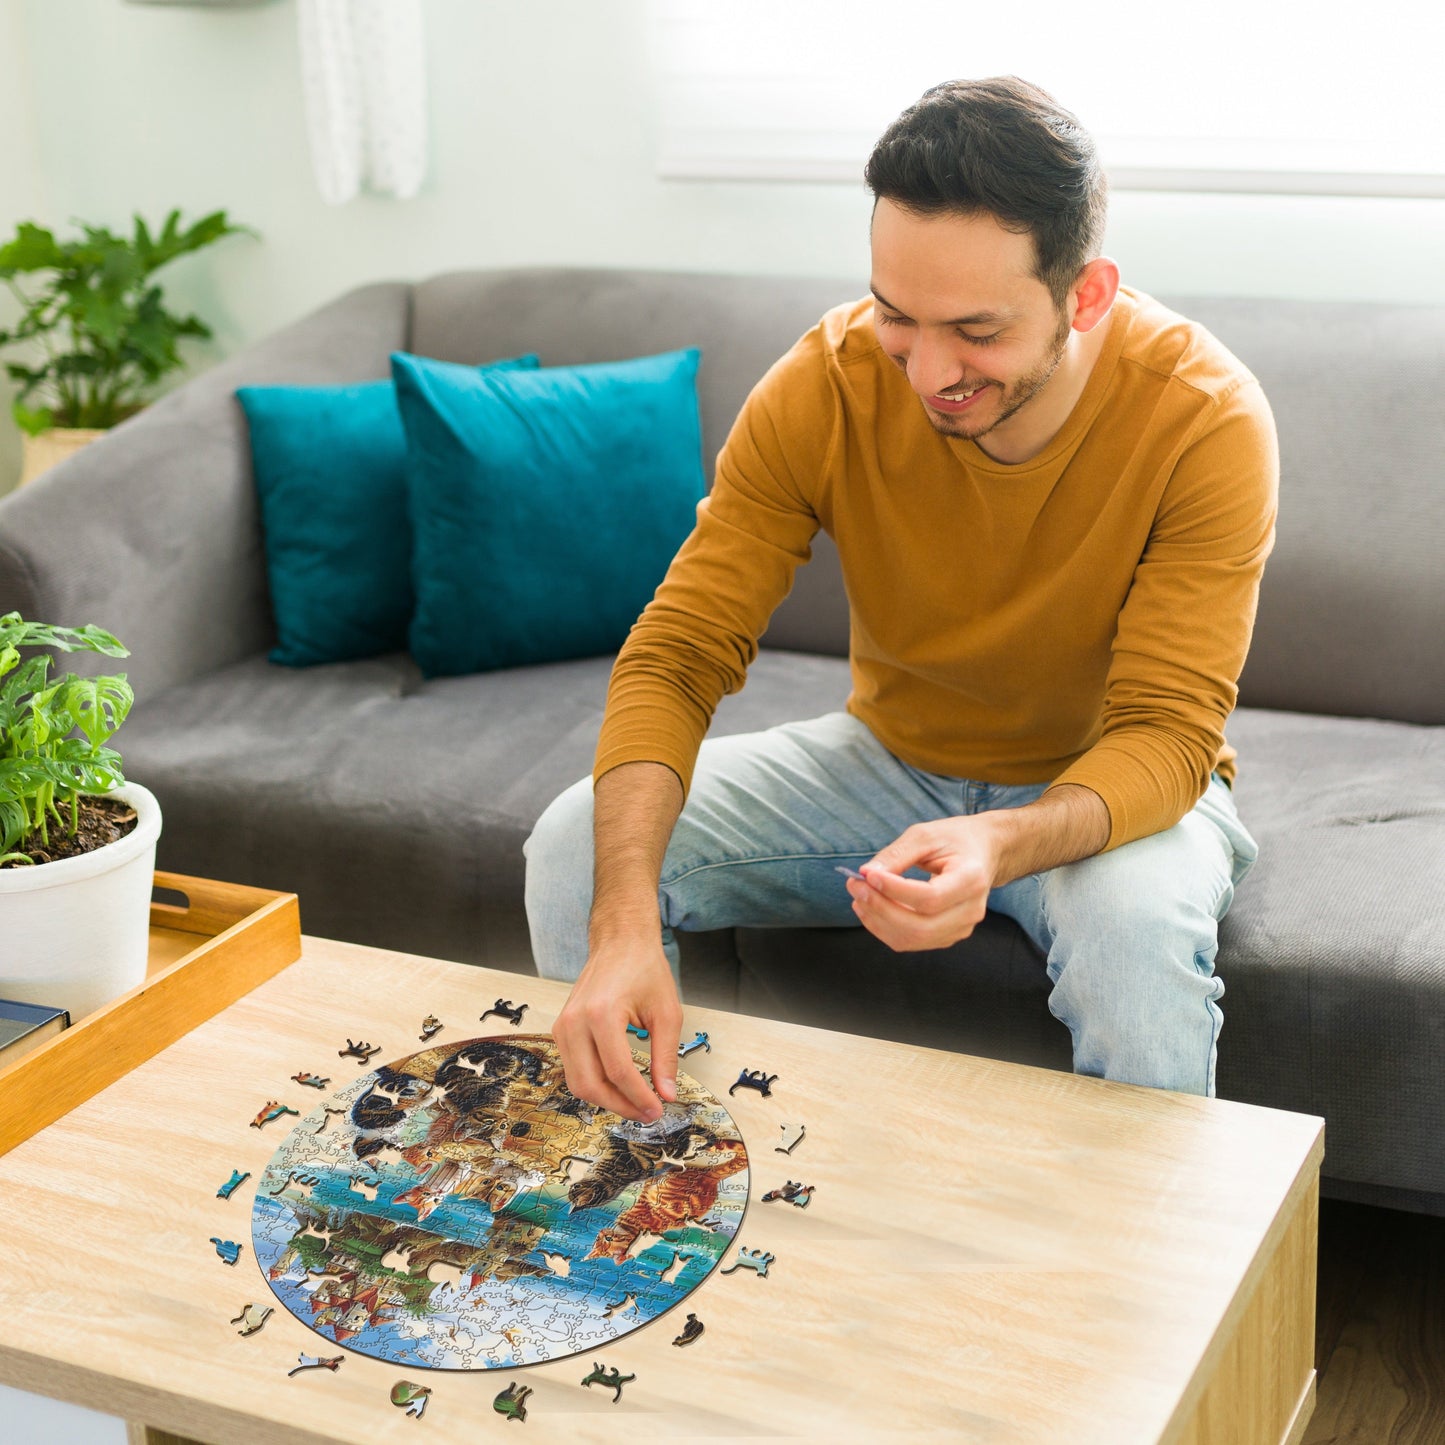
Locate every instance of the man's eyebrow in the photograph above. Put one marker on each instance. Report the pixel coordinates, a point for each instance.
(979, 318)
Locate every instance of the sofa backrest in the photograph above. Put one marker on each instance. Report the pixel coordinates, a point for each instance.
(1353, 596)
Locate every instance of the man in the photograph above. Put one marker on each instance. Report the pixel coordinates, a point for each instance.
(1052, 499)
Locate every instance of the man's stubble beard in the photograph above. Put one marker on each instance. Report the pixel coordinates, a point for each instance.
(1017, 395)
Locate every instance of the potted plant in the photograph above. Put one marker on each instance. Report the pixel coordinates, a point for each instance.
(105, 339)
(77, 842)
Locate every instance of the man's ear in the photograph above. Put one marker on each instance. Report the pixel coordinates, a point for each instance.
(1094, 291)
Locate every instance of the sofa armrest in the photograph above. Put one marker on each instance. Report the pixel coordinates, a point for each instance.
(153, 531)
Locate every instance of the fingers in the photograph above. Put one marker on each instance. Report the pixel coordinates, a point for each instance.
(906, 930)
(599, 1066)
(664, 1027)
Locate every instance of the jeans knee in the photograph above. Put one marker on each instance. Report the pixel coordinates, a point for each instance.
(561, 842)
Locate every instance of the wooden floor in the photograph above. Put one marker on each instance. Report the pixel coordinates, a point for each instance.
(1380, 1334)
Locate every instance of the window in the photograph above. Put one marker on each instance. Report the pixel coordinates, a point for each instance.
(1240, 95)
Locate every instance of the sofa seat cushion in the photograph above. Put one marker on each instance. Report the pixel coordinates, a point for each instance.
(396, 807)
(1334, 951)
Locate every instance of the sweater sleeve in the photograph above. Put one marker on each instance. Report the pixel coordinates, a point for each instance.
(1185, 625)
(697, 637)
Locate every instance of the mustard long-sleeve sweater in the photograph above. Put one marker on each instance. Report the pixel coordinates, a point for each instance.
(1081, 617)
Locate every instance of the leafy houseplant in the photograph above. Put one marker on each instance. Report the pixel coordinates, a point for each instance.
(77, 842)
(44, 768)
(105, 337)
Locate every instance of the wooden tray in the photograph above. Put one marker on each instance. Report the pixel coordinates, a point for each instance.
(207, 950)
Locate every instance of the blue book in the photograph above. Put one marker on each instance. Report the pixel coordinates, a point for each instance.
(25, 1026)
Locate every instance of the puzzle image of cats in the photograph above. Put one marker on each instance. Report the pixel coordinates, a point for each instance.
(460, 1209)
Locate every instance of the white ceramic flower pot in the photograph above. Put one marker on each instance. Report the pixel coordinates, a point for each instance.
(75, 933)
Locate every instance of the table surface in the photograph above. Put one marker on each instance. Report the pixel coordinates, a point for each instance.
(993, 1252)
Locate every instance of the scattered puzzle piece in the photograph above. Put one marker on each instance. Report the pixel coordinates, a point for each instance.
(229, 1187)
(757, 1079)
(228, 1249)
(362, 1051)
(512, 1402)
(412, 1396)
(798, 1139)
(798, 1194)
(430, 1025)
(273, 1110)
(506, 1009)
(252, 1318)
(753, 1259)
(690, 1331)
(613, 1379)
(313, 1081)
(698, 1041)
(316, 1362)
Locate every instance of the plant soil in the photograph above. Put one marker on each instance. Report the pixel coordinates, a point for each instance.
(102, 821)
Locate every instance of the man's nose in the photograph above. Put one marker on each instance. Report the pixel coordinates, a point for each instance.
(932, 367)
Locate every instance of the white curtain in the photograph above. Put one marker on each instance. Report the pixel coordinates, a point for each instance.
(364, 73)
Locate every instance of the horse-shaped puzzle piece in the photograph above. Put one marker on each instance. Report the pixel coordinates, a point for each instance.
(753, 1259)
(362, 1051)
(512, 1402)
(613, 1379)
(505, 1008)
(758, 1079)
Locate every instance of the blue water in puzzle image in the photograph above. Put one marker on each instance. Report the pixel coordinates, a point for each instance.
(461, 1209)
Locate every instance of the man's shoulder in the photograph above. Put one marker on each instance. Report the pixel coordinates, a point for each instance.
(1176, 349)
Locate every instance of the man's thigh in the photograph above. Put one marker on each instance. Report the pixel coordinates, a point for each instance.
(770, 817)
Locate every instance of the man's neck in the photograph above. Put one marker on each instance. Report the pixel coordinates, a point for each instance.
(1027, 433)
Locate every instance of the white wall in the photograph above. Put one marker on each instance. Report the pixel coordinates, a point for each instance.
(21, 196)
(542, 152)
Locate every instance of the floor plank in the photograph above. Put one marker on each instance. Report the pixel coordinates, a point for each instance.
(1380, 1335)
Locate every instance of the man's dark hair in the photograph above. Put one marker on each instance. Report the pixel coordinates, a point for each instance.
(1005, 147)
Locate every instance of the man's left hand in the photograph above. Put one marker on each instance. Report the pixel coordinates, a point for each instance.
(909, 914)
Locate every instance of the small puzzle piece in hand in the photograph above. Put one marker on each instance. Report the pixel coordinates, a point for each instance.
(638, 1033)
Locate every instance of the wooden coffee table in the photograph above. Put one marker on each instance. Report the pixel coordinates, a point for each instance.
(993, 1252)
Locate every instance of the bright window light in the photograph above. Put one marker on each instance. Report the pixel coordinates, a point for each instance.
(1238, 95)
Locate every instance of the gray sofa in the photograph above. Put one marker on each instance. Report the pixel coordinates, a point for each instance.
(397, 808)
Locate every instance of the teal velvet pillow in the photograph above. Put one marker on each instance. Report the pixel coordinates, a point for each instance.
(545, 505)
(330, 465)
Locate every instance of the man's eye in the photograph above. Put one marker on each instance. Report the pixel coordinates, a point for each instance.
(980, 340)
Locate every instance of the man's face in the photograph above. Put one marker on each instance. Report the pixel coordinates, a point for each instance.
(960, 311)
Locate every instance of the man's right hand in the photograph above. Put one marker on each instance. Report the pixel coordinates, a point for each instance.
(624, 982)
(627, 979)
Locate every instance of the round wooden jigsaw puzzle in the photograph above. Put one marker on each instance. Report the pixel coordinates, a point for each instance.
(460, 1209)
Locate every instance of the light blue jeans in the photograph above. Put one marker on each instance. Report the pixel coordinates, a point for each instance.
(1129, 936)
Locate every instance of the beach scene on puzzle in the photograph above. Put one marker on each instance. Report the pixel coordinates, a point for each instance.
(460, 1209)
